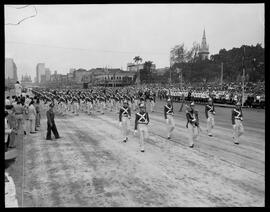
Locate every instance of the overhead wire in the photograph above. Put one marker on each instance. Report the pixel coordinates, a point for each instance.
(32, 16)
(87, 49)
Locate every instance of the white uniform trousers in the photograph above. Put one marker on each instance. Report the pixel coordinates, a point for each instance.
(135, 104)
(170, 124)
(76, 108)
(210, 123)
(125, 126)
(238, 130)
(152, 105)
(143, 130)
(193, 134)
(89, 107)
(32, 123)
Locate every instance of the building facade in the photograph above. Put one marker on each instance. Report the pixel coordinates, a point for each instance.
(40, 70)
(47, 74)
(10, 69)
(204, 48)
(113, 78)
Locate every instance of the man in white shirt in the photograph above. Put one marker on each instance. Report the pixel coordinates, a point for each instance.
(18, 89)
(7, 102)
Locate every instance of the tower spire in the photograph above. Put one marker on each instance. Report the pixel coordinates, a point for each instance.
(204, 49)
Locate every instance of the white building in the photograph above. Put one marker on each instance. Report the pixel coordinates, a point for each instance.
(40, 70)
(136, 67)
(10, 69)
(47, 74)
(71, 70)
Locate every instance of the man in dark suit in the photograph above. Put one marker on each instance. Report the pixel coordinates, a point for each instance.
(51, 124)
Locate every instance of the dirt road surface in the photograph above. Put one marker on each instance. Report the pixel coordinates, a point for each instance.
(90, 166)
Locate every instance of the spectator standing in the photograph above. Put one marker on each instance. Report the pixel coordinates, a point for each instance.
(18, 110)
(7, 131)
(51, 124)
(18, 88)
(12, 124)
(37, 107)
(32, 117)
(8, 102)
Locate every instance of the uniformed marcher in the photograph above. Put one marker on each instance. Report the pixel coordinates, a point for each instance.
(237, 118)
(152, 102)
(51, 124)
(75, 102)
(210, 114)
(141, 122)
(168, 115)
(124, 119)
(192, 124)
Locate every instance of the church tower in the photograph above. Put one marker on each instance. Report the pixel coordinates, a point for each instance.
(204, 48)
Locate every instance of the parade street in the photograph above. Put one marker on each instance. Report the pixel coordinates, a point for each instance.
(90, 166)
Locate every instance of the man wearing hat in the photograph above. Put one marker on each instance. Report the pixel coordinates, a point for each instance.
(51, 124)
(141, 122)
(124, 119)
(168, 114)
(210, 114)
(237, 118)
(192, 124)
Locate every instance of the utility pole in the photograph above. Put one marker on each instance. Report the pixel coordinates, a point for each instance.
(221, 74)
(243, 77)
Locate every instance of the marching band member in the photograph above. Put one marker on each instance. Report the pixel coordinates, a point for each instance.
(152, 101)
(210, 114)
(168, 114)
(141, 122)
(192, 124)
(75, 102)
(102, 104)
(124, 119)
(237, 118)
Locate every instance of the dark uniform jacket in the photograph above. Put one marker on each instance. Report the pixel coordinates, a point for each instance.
(168, 110)
(236, 114)
(192, 118)
(124, 111)
(141, 118)
(209, 108)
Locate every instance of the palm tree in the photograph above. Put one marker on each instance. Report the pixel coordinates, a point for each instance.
(137, 59)
(147, 69)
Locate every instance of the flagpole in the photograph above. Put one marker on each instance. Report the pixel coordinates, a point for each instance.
(243, 78)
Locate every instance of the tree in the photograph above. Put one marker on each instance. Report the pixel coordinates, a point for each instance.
(137, 59)
(146, 72)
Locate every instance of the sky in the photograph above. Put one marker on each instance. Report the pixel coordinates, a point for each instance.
(90, 36)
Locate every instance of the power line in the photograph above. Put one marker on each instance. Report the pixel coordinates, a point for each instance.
(32, 16)
(18, 7)
(86, 49)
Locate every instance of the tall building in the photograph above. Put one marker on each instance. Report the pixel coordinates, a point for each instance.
(47, 74)
(137, 67)
(40, 70)
(71, 70)
(204, 48)
(26, 78)
(10, 69)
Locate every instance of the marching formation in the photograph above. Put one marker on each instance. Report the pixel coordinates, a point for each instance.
(126, 100)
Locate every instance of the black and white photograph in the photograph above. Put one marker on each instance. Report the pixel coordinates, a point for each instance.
(134, 105)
